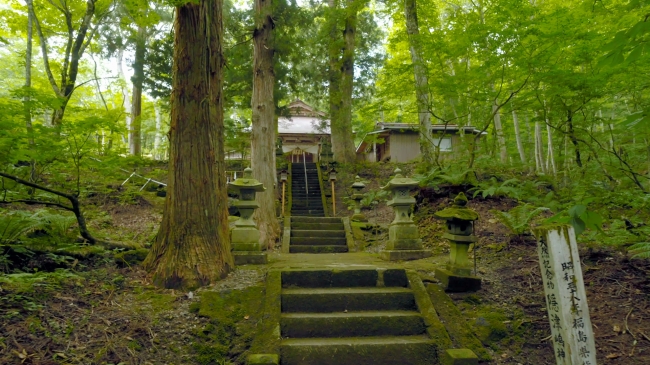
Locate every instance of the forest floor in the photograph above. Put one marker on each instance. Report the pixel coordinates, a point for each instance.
(95, 311)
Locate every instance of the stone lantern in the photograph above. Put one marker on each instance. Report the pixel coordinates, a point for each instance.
(357, 196)
(457, 276)
(245, 237)
(404, 241)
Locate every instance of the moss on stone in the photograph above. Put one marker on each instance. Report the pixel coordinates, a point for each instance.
(132, 257)
(233, 316)
(267, 338)
(455, 323)
(457, 213)
(155, 301)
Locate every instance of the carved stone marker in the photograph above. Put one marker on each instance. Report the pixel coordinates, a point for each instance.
(566, 300)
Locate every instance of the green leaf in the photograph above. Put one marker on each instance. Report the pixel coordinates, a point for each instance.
(578, 224)
(635, 54)
(577, 211)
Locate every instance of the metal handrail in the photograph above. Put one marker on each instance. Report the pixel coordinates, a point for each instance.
(304, 165)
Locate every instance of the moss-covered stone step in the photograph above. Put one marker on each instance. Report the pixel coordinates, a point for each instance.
(352, 324)
(319, 226)
(317, 248)
(318, 278)
(316, 233)
(318, 241)
(308, 213)
(390, 350)
(327, 300)
(314, 220)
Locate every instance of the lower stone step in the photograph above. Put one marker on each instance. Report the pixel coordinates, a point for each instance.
(391, 350)
(316, 233)
(318, 241)
(318, 226)
(311, 212)
(318, 249)
(352, 324)
(295, 219)
(327, 300)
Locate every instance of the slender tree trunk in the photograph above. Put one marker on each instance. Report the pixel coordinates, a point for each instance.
(192, 247)
(156, 142)
(573, 138)
(125, 95)
(501, 140)
(520, 145)
(550, 160)
(28, 80)
(263, 135)
(135, 133)
(539, 149)
(421, 80)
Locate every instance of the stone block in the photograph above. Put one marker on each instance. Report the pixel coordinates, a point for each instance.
(459, 357)
(404, 255)
(263, 359)
(244, 235)
(246, 246)
(457, 283)
(358, 217)
(250, 257)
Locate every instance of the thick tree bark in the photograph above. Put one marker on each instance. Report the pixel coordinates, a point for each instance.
(421, 80)
(263, 134)
(135, 133)
(192, 247)
(341, 74)
(346, 154)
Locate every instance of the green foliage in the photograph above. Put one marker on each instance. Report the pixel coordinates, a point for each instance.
(13, 225)
(640, 250)
(579, 217)
(518, 219)
(492, 188)
(450, 176)
(373, 198)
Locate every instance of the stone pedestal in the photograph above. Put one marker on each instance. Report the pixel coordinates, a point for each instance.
(457, 275)
(357, 196)
(245, 237)
(459, 357)
(263, 359)
(404, 241)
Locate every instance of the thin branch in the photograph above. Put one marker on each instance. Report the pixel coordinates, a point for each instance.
(31, 202)
(43, 42)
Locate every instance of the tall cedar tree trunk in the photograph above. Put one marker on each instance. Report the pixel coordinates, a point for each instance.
(421, 79)
(192, 247)
(135, 133)
(347, 154)
(341, 75)
(74, 50)
(264, 132)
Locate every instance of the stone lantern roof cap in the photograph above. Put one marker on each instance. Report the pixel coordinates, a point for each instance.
(247, 182)
(358, 184)
(399, 181)
(457, 210)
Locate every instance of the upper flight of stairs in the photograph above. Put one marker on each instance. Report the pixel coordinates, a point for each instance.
(306, 196)
(351, 317)
(317, 235)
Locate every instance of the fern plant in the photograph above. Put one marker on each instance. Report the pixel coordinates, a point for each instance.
(56, 225)
(15, 224)
(518, 219)
(640, 250)
(492, 187)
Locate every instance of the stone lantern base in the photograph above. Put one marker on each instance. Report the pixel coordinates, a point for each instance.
(404, 243)
(455, 282)
(246, 247)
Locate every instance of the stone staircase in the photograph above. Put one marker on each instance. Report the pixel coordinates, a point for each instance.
(306, 197)
(317, 235)
(351, 317)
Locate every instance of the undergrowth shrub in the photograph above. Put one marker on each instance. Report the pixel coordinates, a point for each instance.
(518, 219)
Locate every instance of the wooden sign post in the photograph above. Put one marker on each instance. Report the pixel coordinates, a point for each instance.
(566, 301)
